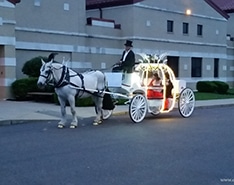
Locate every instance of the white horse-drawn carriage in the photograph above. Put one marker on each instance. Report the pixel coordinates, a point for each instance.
(144, 97)
(134, 87)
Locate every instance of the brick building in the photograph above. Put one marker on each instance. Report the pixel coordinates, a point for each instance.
(197, 35)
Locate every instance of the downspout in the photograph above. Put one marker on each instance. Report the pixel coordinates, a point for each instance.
(100, 9)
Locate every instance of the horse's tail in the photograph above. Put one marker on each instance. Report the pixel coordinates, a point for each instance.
(105, 81)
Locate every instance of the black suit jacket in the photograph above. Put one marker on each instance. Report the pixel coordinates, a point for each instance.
(129, 62)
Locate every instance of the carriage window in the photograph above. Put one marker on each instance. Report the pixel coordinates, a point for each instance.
(196, 67)
(170, 26)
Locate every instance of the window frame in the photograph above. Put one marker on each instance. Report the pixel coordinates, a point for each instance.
(199, 29)
(170, 26)
(216, 67)
(196, 67)
(185, 27)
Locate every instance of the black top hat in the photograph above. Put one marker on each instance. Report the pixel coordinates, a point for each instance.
(128, 43)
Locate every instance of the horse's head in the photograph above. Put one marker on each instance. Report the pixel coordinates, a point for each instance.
(46, 74)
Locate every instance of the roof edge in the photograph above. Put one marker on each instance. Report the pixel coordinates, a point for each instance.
(106, 4)
(14, 1)
(219, 10)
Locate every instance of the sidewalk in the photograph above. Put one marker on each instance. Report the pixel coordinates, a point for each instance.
(13, 112)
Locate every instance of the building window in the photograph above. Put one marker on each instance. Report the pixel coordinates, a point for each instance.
(199, 29)
(216, 67)
(196, 67)
(170, 26)
(185, 28)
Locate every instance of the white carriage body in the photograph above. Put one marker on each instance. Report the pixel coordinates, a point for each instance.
(179, 85)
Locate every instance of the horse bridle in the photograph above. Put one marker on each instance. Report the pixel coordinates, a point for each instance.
(49, 77)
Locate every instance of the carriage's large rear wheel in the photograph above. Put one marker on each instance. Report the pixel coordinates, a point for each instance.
(186, 102)
(138, 108)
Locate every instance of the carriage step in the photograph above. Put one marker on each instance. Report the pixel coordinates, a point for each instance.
(127, 102)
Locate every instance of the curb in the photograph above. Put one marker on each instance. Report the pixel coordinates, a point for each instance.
(119, 113)
(16, 122)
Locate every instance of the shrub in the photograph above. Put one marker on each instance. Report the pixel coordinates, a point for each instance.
(21, 87)
(212, 86)
(206, 86)
(222, 87)
(32, 67)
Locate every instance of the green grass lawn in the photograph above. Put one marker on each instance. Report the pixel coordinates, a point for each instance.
(212, 96)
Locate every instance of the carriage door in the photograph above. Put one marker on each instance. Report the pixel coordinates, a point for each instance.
(173, 63)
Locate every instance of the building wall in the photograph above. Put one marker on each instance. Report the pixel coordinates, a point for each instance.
(7, 48)
(146, 24)
(61, 26)
(230, 45)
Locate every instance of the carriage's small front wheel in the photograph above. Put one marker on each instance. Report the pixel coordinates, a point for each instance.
(186, 102)
(106, 114)
(138, 108)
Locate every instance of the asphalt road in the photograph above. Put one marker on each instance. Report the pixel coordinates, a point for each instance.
(167, 150)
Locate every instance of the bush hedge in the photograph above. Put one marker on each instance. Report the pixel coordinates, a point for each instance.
(31, 68)
(21, 87)
(222, 87)
(212, 87)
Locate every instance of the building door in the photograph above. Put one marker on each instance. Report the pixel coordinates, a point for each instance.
(173, 63)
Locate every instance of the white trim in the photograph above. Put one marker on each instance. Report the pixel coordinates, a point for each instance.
(231, 68)
(7, 40)
(178, 12)
(119, 38)
(50, 31)
(6, 82)
(44, 46)
(80, 65)
(5, 21)
(230, 57)
(103, 23)
(8, 62)
(112, 51)
(6, 4)
(65, 48)
(179, 42)
(66, 6)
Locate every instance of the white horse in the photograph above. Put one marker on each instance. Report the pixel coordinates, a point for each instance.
(69, 85)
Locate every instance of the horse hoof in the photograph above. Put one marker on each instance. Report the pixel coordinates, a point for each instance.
(60, 126)
(97, 123)
(73, 126)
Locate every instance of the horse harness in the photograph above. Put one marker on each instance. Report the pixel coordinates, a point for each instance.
(65, 80)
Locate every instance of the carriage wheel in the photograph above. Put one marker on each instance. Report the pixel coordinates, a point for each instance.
(138, 108)
(106, 113)
(186, 102)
